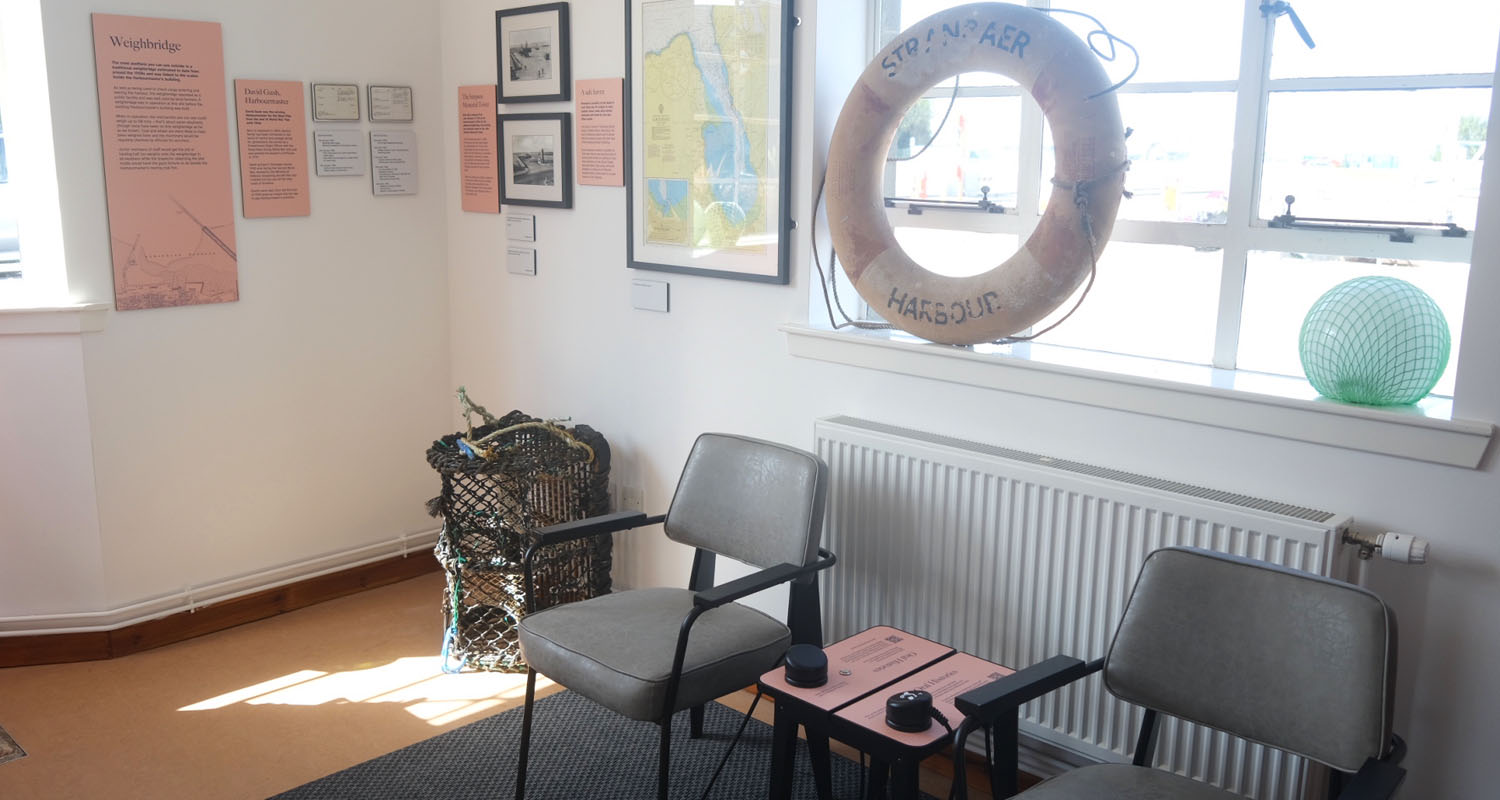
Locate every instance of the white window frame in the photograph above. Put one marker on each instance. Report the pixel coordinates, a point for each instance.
(1213, 394)
(1244, 231)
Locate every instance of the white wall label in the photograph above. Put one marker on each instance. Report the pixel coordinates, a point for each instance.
(520, 227)
(338, 152)
(393, 162)
(520, 260)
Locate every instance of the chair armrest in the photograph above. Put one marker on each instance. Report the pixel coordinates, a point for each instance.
(592, 526)
(757, 581)
(746, 586)
(1376, 780)
(1013, 690)
(576, 529)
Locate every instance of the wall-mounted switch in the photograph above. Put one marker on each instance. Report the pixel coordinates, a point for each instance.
(649, 295)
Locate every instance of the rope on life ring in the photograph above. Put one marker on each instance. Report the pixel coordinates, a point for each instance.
(1060, 72)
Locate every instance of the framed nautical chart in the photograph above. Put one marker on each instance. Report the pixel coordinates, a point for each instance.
(708, 164)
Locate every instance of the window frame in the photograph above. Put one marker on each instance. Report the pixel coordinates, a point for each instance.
(1244, 231)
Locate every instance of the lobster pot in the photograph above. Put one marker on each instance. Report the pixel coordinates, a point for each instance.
(537, 476)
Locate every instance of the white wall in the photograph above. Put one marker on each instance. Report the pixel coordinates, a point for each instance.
(184, 446)
(181, 446)
(567, 342)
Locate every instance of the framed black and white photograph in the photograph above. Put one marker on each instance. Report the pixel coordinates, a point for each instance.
(531, 44)
(708, 138)
(536, 157)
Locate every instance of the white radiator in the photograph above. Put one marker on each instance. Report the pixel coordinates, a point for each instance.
(1016, 557)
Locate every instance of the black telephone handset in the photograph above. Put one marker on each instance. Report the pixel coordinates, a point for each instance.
(806, 666)
(912, 712)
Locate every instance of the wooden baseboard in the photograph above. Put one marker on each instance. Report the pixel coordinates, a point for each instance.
(61, 648)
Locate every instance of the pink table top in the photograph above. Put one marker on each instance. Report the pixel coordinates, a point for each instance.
(871, 659)
(945, 680)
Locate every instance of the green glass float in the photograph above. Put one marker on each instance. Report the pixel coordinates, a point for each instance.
(1375, 341)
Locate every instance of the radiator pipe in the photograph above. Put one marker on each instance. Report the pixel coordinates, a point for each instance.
(1403, 548)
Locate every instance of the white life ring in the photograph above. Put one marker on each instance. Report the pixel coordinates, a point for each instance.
(1064, 77)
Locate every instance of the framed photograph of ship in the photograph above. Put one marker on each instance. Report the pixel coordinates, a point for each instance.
(531, 45)
(708, 89)
(536, 160)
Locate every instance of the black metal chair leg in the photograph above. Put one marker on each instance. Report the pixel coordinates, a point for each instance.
(695, 717)
(525, 734)
(663, 763)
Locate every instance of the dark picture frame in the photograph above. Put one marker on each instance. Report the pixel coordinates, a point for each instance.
(536, 159)
(729, 216)
(532, 54)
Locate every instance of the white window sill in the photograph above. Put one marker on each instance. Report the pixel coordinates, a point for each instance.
(80, 318)
(1257, 403)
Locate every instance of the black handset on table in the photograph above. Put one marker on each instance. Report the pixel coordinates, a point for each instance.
(912, 712)
(806, 666)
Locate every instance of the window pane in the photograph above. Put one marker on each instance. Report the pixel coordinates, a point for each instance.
(1280, 288)
(1388, 37)
(977, 147)
(1178, 40)
(1157, 301)
(1179, 156)
(1153, 27)
(955, 253)
(10, 239)
(1411, 156)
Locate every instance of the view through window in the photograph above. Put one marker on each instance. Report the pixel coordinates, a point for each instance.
(1231, 112)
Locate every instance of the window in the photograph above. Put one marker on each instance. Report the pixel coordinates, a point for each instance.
(32, 274)
(1231, 113)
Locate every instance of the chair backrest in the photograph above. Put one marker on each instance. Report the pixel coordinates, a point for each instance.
(754, 501)
(1295, 661)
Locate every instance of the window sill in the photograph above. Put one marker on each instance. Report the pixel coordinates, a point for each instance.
(1222, 398)
(81, 318)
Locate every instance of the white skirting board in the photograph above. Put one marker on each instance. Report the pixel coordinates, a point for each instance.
(189, 598)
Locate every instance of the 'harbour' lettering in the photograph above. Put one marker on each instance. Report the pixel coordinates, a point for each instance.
(939, 312)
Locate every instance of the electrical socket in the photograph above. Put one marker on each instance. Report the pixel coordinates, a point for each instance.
(632, 499)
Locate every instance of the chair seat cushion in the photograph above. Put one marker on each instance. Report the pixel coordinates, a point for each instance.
(617, 649)
(1123, 782)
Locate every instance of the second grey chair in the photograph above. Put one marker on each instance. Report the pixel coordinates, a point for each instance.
(650, 653)
(1291, 660)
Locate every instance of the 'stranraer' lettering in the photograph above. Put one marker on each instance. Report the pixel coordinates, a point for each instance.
(938, 312)
(1009, 38)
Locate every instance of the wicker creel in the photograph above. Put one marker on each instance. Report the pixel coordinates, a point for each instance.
(531, 475)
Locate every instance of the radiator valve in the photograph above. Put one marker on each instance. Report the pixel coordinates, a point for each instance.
(1403, 548)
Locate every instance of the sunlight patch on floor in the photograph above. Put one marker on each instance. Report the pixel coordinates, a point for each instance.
(417, 683)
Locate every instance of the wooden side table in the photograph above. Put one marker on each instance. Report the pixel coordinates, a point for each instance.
(863, 671)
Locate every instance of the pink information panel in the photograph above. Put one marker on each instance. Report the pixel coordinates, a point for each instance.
(944, 680)
(165, 126)
(861, 664)
(478, 153)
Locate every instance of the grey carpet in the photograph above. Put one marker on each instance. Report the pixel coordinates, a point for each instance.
(579, 751)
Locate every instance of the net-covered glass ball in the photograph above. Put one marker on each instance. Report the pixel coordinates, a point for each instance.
(1375, 341)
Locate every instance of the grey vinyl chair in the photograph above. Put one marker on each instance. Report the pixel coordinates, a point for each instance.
(1291, 660)
(650, 653)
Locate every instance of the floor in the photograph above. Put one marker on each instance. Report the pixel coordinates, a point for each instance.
(257, 709)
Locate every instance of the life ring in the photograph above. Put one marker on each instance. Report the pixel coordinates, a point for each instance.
(1062, 74)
